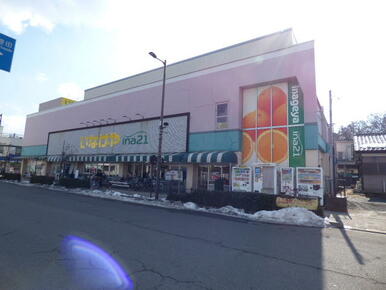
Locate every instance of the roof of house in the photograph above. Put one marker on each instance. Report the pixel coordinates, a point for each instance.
(370, 142)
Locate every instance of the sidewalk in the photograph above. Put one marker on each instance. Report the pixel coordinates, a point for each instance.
(364, 213)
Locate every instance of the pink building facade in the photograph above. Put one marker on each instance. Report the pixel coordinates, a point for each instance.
(208, 89)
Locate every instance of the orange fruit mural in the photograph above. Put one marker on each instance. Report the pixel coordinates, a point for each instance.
(249, 121)
(264, 108)
(249, 138)
(279, 107)
(279, 153)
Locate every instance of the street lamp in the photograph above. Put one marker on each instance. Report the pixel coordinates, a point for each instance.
(161, 127)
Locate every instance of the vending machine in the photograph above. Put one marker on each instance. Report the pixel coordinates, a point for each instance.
(265, 178)
(242, 179)
(287, 180)
(309, 181)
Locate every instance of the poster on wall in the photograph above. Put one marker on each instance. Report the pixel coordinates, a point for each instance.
(273, 125)
(287, 180)
(173, 175)
(309, 181)
(242, 179)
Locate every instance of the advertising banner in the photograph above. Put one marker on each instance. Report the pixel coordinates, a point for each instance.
(287, 180)
(310, 181)
(124, 138)
(286, 201)
(273, 125)
(242, 179)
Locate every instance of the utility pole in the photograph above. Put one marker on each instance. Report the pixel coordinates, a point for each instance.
(332, 148)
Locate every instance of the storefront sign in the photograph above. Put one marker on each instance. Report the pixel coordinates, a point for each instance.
(242, 179)
(295, 104)
(297, 154)
(311, 204)
(125, 138)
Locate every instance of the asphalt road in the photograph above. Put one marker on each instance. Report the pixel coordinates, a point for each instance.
(171, 249)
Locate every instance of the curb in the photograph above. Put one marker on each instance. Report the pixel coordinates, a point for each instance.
(341, 226)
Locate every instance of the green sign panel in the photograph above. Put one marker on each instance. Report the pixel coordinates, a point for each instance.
(297, 154)
(295, 104)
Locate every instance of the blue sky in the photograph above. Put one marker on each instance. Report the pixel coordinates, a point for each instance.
(64, 47)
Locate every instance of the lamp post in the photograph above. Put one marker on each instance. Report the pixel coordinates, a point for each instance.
(161, 127)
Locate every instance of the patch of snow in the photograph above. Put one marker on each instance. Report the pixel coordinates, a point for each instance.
(290, 215)
(230, 210)
(190, 205)
(136, 195)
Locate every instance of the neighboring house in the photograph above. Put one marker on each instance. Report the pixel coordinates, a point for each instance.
(10, 151)
(346, 167)
(370, 150)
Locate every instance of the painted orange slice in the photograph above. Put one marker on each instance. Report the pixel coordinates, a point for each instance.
(249, 121)
(248, 146)
(280, 149)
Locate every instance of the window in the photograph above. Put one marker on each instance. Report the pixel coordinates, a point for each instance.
(222, 116)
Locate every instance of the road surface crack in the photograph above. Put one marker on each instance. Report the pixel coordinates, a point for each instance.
(244, 251)
(145, 269)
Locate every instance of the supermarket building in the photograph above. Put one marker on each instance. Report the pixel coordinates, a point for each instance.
(253, 102)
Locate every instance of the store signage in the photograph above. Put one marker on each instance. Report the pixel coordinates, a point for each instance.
(124, 138)
(242, 179)
(7, 47)
(295, 104)
(139, 137)
(297, 155)
(102, 141)
(311, 204)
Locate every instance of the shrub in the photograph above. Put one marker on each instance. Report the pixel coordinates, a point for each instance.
(11, 176)
(249, 201)
(41, 179)
(74, 183)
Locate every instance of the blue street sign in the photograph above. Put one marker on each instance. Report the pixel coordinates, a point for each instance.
(7, 46)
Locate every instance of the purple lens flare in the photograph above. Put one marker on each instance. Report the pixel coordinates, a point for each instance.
(93, 267)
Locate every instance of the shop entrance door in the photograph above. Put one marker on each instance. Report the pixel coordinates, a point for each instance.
(203, 177)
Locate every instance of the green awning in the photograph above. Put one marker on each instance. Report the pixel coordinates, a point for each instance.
(211, 157)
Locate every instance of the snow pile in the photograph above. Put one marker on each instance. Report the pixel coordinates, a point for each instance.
(291, 216)
(230, 210)
(191, 205)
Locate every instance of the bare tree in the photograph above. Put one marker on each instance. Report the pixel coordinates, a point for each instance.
(375, 123)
